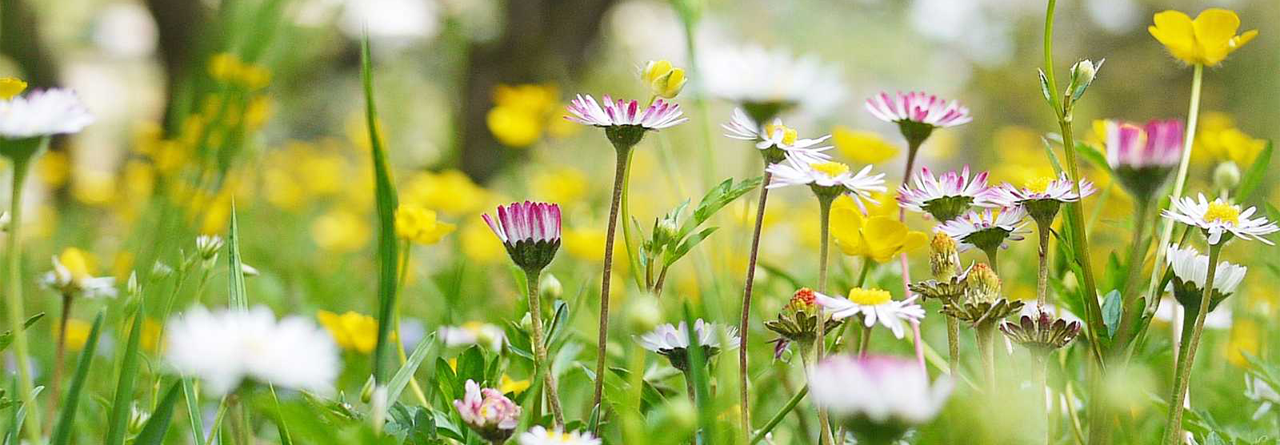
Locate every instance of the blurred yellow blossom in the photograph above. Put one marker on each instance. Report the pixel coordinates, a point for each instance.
(10, 87)
(150, 340)
(340, 230)
(663, 79)
(93, 187)
(227, 67)
(1245, 339)
(419, 225)
(507, 385)
(522, 112)
(878, 238)
(1219, 140)
(1022, 156)
(451, 192)
(513, 127)
(352, 331)
(585, 244)
(54, 168)
(80, 264)
(562, 185)
(863, 147)
(77, 333)
(1207, 40)
(479, 244)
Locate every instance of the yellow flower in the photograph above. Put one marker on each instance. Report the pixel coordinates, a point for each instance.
(514, 127)
(507, 385)
(450, 192)
(1219, 140)
(1207, 40)
(10, 87)
(1245, 338)
(663, 79)
(864, 147)
(77, 333)
(54, 168)
(878, 238)
(419, 225)
(150, 340)
(479, 244)
(340, 231)
(352, 331)
(585, 244)
(562, 185)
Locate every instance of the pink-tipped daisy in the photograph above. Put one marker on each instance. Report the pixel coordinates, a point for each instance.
(828, 178)
(917, 114)
(989, 229)
(529, 230)
(1142, 157)
(776, 141)
(624, 122)
(1041, 196)
(945, 197)
(1220, 217)
(874, 305)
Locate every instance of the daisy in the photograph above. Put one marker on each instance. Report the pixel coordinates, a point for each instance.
(775, 141)
(472, 333)
(917, 114)
(539, 435)
(1040, 331)
(43, 113)
(228, 347)
(1220, 217)
(1190, 270)
(672, 342)
(1142, 157)
(487, 412)
(947, 196)
(529, 230)
(987, 230)
(828, 178)
(71, 277)
(878, 397)
(624, 122)
(874, 305)
(1042, 196)
(766, 82)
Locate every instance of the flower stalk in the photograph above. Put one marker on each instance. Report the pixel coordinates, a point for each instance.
(21, 167)
(824, 250)
(602, 340)
(1187, 354)
(913, 147)
(743, 325)
(540, 346)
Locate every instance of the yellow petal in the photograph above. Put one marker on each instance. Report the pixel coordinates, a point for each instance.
(1242, 39)
(10, 87)
(1176, 32)
(914, 240)
(846, 228)
(1215, 27)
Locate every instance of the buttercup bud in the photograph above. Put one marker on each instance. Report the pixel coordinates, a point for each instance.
(663, 79)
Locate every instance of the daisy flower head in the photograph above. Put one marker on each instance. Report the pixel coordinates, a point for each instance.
(1142, 157)
(828, 179)
(1190, 271)
(1041, 332)
(529, 230)
(228, 347)
(874, 305)
(72, 276)
(1042, 196)
(947, 196)
(539, 435)
(624, 122)
(672, 341)
(767, 82)
(26, 120)
(487, 412)
(1219, 218)
(798, 322)
(917, 114)
(878, 398)
(775, 141)
(988, 230)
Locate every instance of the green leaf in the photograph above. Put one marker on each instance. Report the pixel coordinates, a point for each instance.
(688, 245)
(1111, 308)
(193, 410)
(123, 402)
(1094, 156)
(402, 376)
(67, 419)
(715, 199)
(7, 337)
(282, 426)
(153, 432)
(236, 295)
(1253, 177)
(1045, 89)
(385, 194)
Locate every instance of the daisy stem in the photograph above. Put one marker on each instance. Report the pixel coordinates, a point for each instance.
(21, 166)
(987, 350)
(1041, 368)
(912, 149)
(744, 398)
(824, 213)
(540, 347)
(1042, 277)
(953, 345)
(865, 344)
(602, 340)
(1182, 376)
(1137, 258)
(60, 350)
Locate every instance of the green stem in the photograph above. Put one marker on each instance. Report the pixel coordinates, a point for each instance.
(992, 255)
(1137, 258)
(777, 418)
(865, 344)
(21, 166)
(987, 351)
(745, 321)
(632, 259)
(912, 149)
(1044, 400)
(953, 346)
(540, 361)
(1182, 376)
(824, 213)
(60, 350)
(602, 341)
(1042, 276)
(217, 420)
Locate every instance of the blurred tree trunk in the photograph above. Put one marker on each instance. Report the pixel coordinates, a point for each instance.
(178, 23)
(541, 40)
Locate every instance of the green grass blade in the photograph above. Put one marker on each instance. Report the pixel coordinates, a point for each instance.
(282, 427)
(401, 379)
(193, 410)
(67, 419)
(238, 298)
(387, 247)
(6, 338)
(155, 428)
(119, 420)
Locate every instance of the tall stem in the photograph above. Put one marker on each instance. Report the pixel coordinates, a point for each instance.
(987, 350)
(953, 346)
(1041, 367)
(744, 399)
(912, 150)
(602, 341)
(60, 350)
(540, 347)
(1137, 259)
(824, 212)
(1042, 277)
(21, 166)
(1182, 376)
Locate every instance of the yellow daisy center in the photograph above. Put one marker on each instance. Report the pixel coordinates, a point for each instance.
(1219, 211)
(831, 169)
(789, 135)
(869, 297)
(1038, 185)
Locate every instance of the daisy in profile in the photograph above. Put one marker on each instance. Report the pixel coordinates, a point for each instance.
(1190, 270)
(775, 141)
(227, 348)
(828, 179)
(947, 196)
(874, 306)
(989, 230)
(878, 398)
(1220, 218)
(672, 341)
(766, 82)
(1142, 157)
(539, 435)
(917, 114)
(624, 121)
(1042, 197)
(42, 113)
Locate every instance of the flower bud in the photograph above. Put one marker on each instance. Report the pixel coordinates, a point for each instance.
(984, 284)
(664, 80)
(665, 230)
(137, 418)
(160, 271)
(1082, 74)
(207, 246)
(366, 391)
(133, 287)
(944, 257)
(550, 288)
(643, 314)
(1226, 176)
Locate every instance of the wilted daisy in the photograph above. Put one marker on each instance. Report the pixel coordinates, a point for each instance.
(1190, 271)
(72, 277)
(42, 113)
(917, 114)
(624, 122)
(672, 342)
(487, 412)
(1041, 332)
(878, 398)
(874, 305)
(530, 231)
(1142, 158)
(828, 178)
(776, 142)
(473, 333)
(538, 435)
(766, 82)
(1219, 218)
(1042, 196)
(988, 230)
(947, 196)
(228, 347)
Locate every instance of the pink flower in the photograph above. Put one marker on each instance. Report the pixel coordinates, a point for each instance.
(530, 231)
(947, 196)
(918, 107)
(662, 114)
(488, 412)
(1158, 144)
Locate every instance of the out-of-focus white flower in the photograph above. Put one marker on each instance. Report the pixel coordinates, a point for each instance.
(886, 394)
(1219, 319)
(755, 78)
(71, 276)
(43, 113)
(539, 435)
(488, 412)
(472, 333)
(874, 305)
(1258, 390)
(776, 136)
(1219, 217)
(228, 347)
(393, 22)
(125, 29)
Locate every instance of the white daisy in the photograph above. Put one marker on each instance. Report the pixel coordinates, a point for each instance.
(755, 77)
(667, 337)
(828, 175)
(539, 435)
(1041, 189)
(471, 333)
(1220, 216)
(947, 196)
(43, 113)
(989, 229)
(77, 283)
(776, 135)
(661, 114)
(1189, 266)
(918, 107)
(888, 392)
(874, 305)
(227, 347)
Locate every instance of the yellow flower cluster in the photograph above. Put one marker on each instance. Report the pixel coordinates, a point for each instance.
(227, 67)
(419, 225)
(522, 113)
(352, 331)
(451, 192)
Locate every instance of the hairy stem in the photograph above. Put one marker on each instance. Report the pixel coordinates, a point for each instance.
(1042, 276)
(744, 398)
(987, 350)
(602, 341)
(912, 150)
(540, 361)
(1182, 376)
(824, 250)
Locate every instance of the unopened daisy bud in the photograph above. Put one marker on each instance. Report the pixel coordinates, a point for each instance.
(665, 230)
(550, 288)
(366, 391)
(530, 231)
(643, 314)
(137, 418)
(207, 246)
(944, 257)
(664, 80)
(1226, 176)
(1082, 74)
(984, 284)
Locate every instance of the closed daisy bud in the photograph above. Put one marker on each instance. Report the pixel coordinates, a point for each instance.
(944, 257)
(137, 418)
(664, 80)
(207, 246)
(984, 284)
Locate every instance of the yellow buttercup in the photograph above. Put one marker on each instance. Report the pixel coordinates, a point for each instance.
(878, 238)
(1207, 40)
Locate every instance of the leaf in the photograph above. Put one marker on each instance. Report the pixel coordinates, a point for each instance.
(715, 199)
(123, 402)
(1094, 156)
(282, 426)
(238, 298)
(67, 418)
(1111, 308)
(7, 337)
(155, 428)
(1045, 89)
(402, 376)
(193, 410)
(1252, 178)
(471, 366)
(385, 193)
